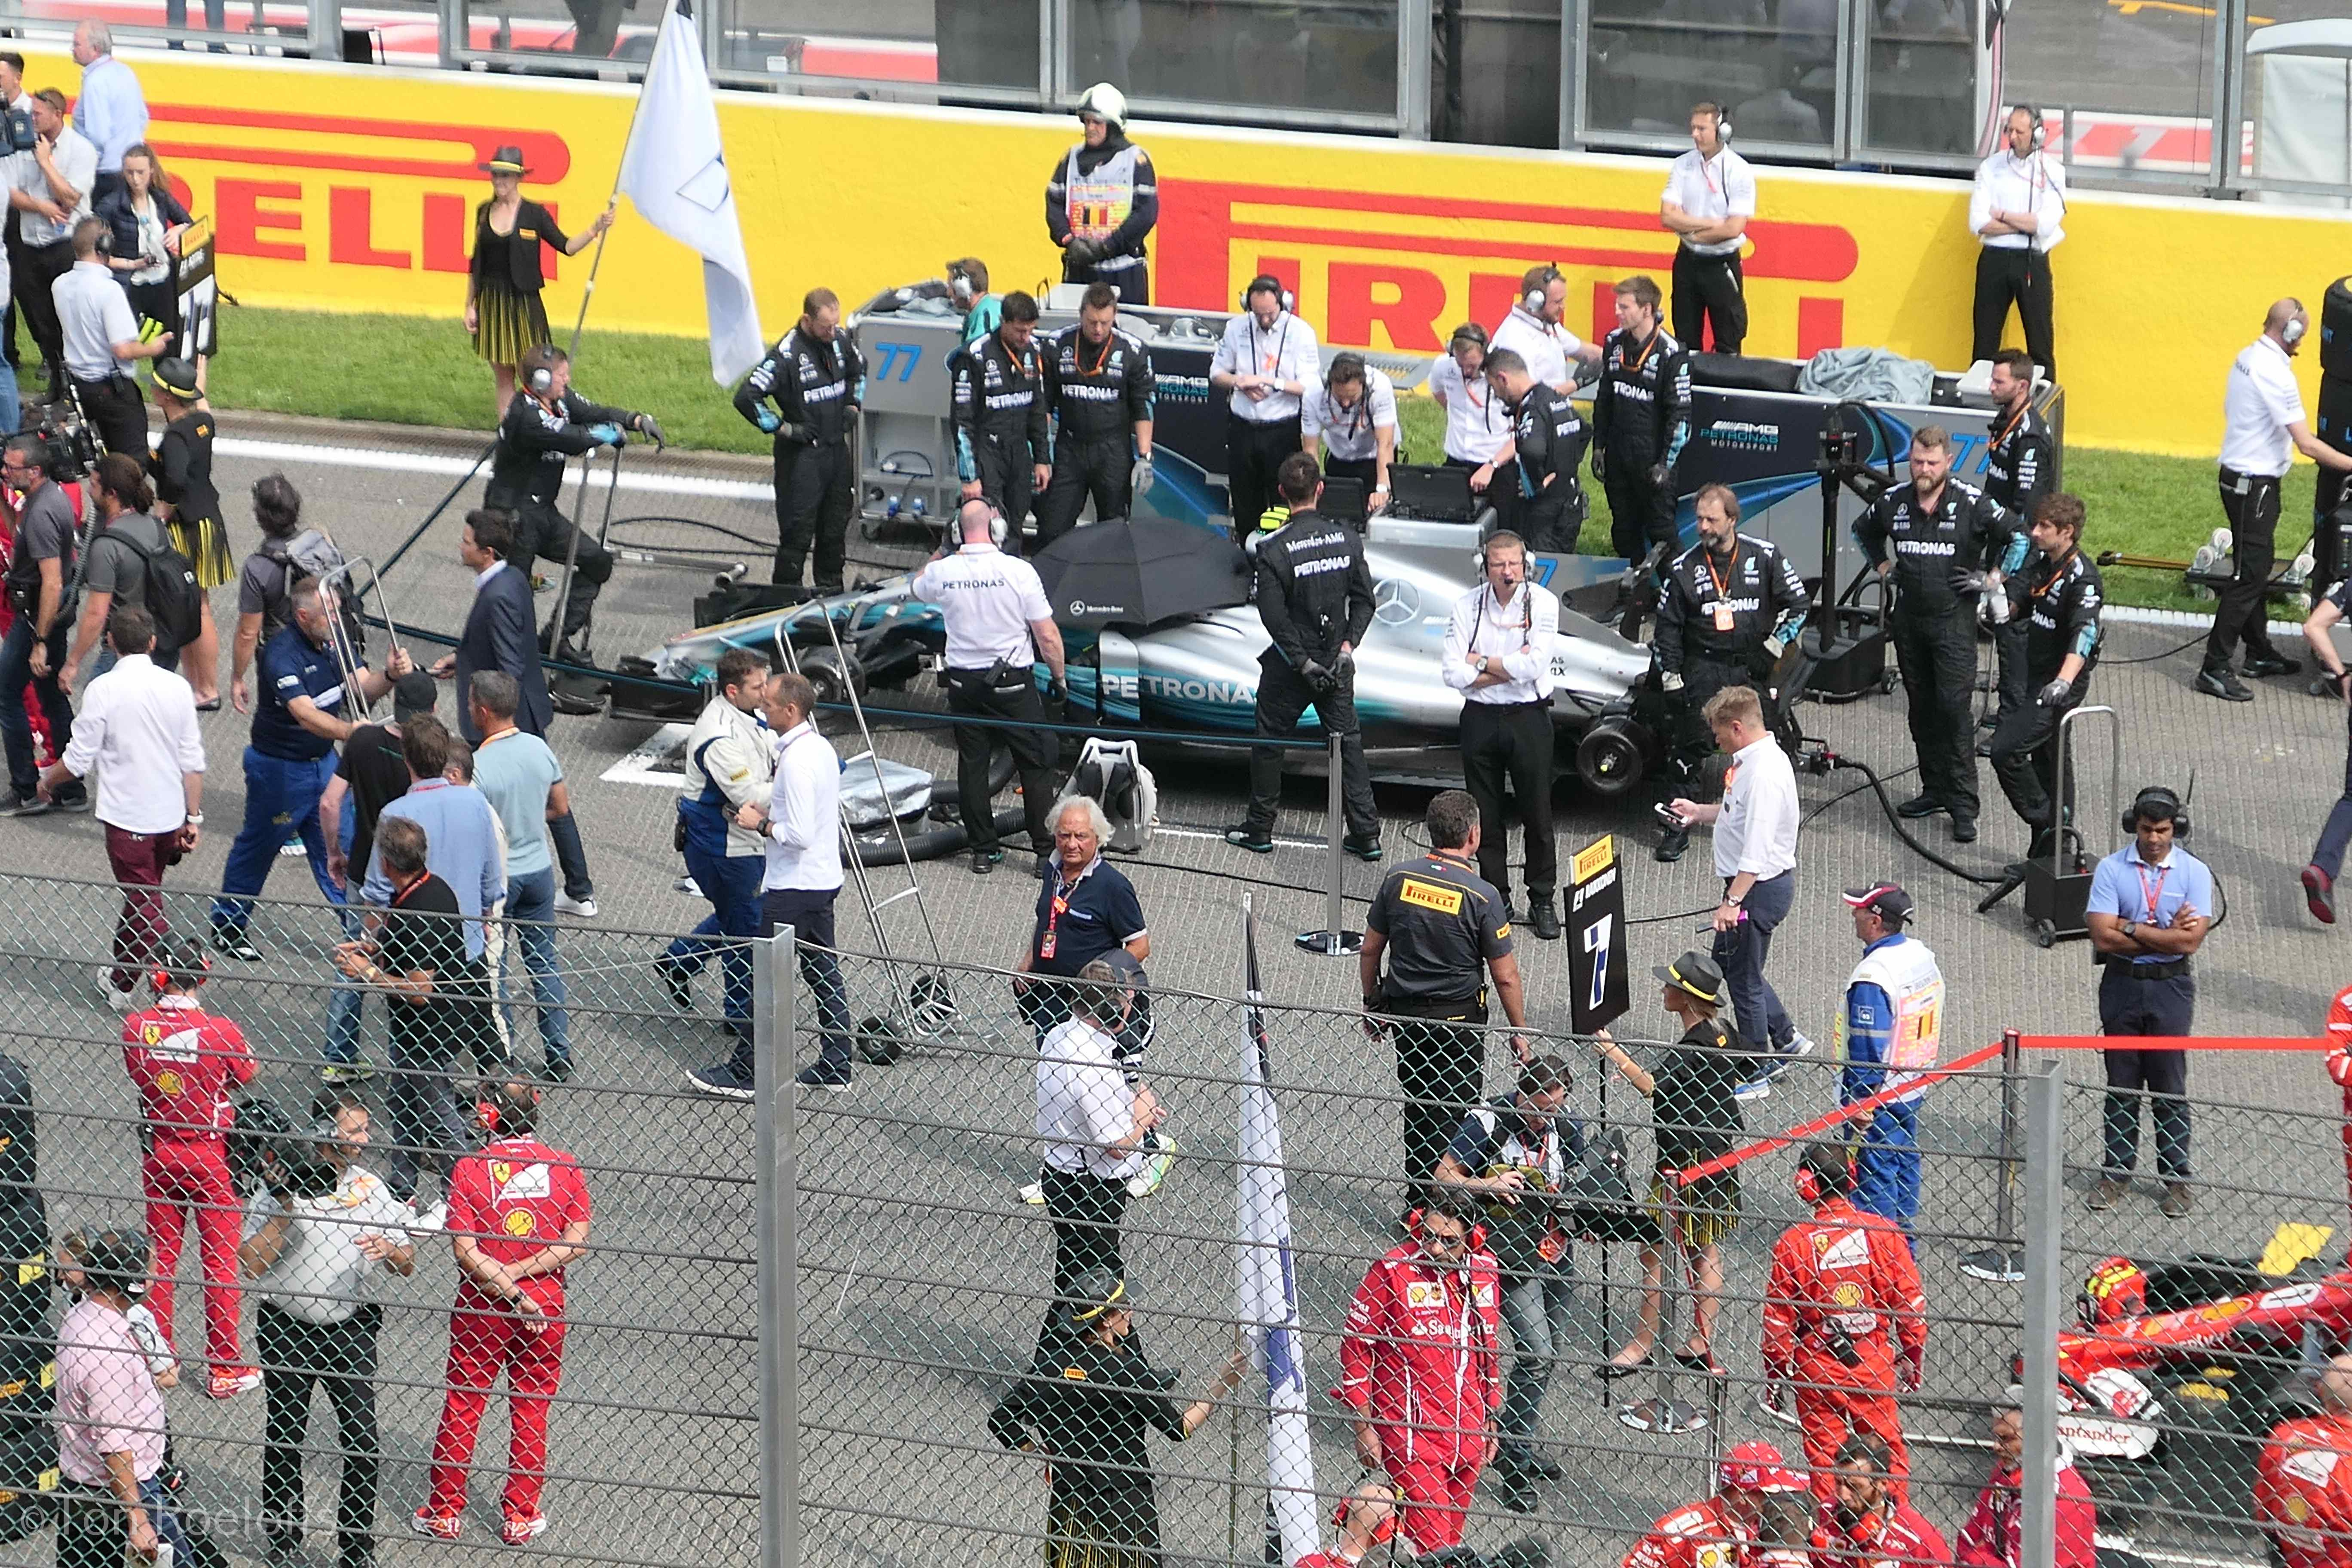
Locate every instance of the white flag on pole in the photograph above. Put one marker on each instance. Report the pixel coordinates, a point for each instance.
(1267, 1283)
(674, 170)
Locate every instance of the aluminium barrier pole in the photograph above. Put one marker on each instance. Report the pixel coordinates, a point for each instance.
(777, 1178)
(2004, 1261)
(1334, 941)
(2045, 1198)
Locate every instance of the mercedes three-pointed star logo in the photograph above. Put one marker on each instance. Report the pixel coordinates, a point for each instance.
(1396, 601)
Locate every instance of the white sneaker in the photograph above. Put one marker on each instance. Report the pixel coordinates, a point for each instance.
(120, 1001)
(689, 886)
(431, 1219)
(292, 850)
(1799, 1045)
(1147, 1180)
(1033, 1194)
(565, 904)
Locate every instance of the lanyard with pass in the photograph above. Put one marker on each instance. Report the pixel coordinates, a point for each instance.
(2152, 894)
(1723, 621)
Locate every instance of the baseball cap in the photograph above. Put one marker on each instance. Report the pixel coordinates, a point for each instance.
(1128, 967)
(1758, 1467)
(1694, 976)
(413, 693)
(1886, 899)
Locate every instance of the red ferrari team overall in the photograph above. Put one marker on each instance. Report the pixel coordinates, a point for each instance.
(184, 1061)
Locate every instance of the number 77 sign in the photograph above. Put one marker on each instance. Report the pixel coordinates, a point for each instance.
(1597, 959)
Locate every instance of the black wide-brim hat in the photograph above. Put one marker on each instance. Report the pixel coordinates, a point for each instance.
(505, 161)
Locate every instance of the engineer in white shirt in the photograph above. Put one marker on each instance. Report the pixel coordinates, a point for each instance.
(1267, 364)
(1498, 653)
(1756, 855)
(1710, 196)
(1352, 417)
(2016, 211)
(1533, 330)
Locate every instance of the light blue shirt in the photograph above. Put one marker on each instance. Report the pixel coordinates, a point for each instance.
(461, 847)
(111, 110)
(2125, 886)
(516, 772)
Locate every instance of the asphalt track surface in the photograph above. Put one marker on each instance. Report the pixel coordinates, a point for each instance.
(922, 1297)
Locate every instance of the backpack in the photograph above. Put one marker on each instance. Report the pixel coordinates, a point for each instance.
(173, 599)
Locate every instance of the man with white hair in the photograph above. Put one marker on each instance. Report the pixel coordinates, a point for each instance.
(1103, 200)
(111, 110)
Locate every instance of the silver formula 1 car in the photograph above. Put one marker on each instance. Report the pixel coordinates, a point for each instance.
(1199, 674)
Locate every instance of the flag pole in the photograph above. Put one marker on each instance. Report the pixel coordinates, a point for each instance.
(613, 203)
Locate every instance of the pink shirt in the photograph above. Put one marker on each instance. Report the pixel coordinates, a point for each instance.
(107, 1399)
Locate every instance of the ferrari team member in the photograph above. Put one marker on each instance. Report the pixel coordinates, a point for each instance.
(1421, 1372)
(545, 429)
(2262, 428)
(1267, 364)
(1533, 330)
(1846, 1322)
(1548, 441)
(519, 1214)
(1498, 650)
(1713, 1532)
(731, 762)
(1098, 386)
(2340, 1066)
(998, 626)
(1890, 1030)
(806, 393)
(184, 1061)
(2303, 1488)
(1993, 1533)
(1315, 595)
(1640, 419)
(1004, 448)
(1947, 544)
(1103, 200)
(1729, 605)
(2021, 467)
(2016, 209)
(2055, 602)
(1864, 1524)
(1711, 196)
(1353, 417)
(1367, 1518)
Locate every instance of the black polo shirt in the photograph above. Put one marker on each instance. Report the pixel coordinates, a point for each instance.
(1443, 923)
(1083, 919)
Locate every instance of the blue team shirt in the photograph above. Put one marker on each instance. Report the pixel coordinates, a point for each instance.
(1100, 911)
(292, 666)
(2123, 884)
(1869, 1032)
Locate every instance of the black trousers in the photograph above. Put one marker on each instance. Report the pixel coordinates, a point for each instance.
(1693, 740)
(1441, 1069)
(2025, 761)
(41, 267)
(1099, 470)
(1511, 747)
(2133, 1006)
(1551, 520)
(1641, 514)
(815, 486)
(544, 532)
(2013, 684)
(1008, 481)
(2250, 501)
(118, 411)
(1283, 695)
(1034, 755)
(1710, 288)
(1086, 1210)
(1253, 452)
(1937, 655)
(296, 1356)
(2023, 277)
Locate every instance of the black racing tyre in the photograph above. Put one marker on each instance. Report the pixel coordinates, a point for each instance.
(1610, 758)
(834, 678)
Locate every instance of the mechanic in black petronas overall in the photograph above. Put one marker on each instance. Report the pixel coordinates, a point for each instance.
(1315, 595)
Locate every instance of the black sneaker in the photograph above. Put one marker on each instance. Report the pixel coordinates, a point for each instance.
(231, 941)
(1672, 847)
(1964, 829)
(721, 1081)
(73, 797)
(1362, 845)
(1917, 806)
(557, 1069)
(822, 1077)
(15, 804)
(681, 985)
(983, 861)
(2221, 683)
(1257, 840)
(2272, 663)
(1543, 919)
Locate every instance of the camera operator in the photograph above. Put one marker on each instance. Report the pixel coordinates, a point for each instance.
(2056, 601)
(1950, 544)
(1267, 362)
(1353, 415)
(1315, 596)
(101, 335)
(320, 1236)
(52, 194)
(543, 429)
(1098, 385)
(40, 584)
(1730, 605)
(1640, 419)
(816, 379)
(1005, 446)
(997, 626)
(1548, 438)
(2021, 464)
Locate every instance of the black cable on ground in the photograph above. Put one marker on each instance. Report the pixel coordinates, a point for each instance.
(1895, 819)
(2168, 653)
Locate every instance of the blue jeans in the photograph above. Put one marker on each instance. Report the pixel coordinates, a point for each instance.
(731, 883)
(810, 915)
(1539, 1309)
(16, 670)
(1741, 954)
(530, 904)
(281, 798)
(1886, 1167)
(343, 1004)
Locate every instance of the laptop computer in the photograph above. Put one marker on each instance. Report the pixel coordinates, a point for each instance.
(1432, 493)
(1344, 500)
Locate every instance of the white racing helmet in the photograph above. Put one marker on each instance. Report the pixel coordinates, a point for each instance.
(1106, 100)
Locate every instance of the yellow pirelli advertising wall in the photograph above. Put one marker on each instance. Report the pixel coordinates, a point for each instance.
(352, 188)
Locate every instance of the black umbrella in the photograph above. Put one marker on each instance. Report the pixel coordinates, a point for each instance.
(1139, 573)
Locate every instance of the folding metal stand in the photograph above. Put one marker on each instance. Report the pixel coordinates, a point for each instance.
(350, 656)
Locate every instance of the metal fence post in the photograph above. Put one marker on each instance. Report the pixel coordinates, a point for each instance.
(2045, 1199)
(778, 1238)
(2002, 1261)
(1335, 940)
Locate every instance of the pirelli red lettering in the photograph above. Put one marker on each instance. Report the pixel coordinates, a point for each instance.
(1214, 232)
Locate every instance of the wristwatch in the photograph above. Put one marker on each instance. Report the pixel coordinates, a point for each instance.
(2131, 930)
(196, 819)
